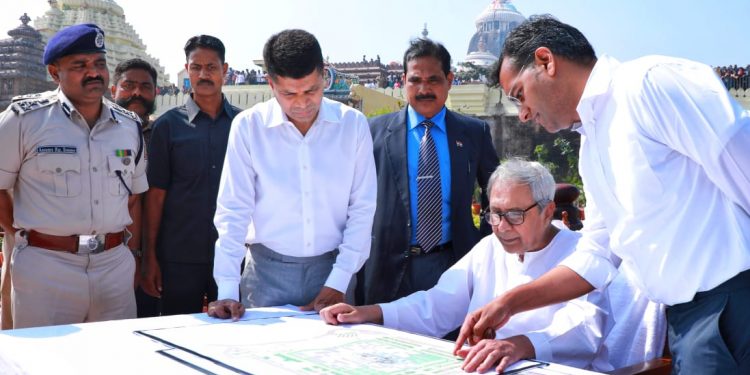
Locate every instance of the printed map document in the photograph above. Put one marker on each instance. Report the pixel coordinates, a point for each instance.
(286, 341)
(303, 344)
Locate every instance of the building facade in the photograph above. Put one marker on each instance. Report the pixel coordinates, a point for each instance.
(21, 68)
(123, 43)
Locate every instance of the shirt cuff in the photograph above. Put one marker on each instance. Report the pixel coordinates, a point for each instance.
(7, 180)
(140, 184)
(339, 280)
(390, 315)
(228, 289)
(542, 348)
(596, 270)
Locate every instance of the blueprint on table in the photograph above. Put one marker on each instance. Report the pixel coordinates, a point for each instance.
(305, 345)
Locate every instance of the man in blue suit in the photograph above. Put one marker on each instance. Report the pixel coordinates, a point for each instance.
(428, 160)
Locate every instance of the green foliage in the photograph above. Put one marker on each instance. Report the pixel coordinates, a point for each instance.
(541, 154)
(566, 173)
(471, 72)
(571, 156)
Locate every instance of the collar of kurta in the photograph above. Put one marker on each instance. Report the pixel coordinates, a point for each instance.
(530, 257)
(325, 114)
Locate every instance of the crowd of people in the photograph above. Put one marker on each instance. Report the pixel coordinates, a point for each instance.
(394, 81)
(171, 89)
(238, 77)
(369, 220)
(734, 77)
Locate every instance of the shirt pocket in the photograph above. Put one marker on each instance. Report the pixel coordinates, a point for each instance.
(126, 167)
(189, 157)
(62, 174)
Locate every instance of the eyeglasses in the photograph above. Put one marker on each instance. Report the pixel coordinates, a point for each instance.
(513, 217)
(515, 101)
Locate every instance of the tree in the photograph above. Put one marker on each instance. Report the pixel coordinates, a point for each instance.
(469, 72)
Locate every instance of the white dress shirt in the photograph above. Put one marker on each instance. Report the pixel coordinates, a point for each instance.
(569, 333)
(665, 162)
(304, 195)
(640, 328)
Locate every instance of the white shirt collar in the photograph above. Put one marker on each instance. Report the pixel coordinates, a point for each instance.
(325, 114)
(597, 84)
(68, 108)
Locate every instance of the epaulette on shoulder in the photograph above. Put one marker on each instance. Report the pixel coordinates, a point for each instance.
(124, 112)
(27, 103)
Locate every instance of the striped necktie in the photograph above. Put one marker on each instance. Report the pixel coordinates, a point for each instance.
(429, 192)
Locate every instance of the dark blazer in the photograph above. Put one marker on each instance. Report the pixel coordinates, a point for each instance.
(473, 159)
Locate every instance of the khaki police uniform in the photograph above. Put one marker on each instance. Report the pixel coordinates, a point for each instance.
(70, 180)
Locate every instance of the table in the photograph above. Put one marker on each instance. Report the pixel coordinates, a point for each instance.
(266, 341)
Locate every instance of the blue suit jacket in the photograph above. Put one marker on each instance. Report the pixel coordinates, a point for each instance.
(473, 159)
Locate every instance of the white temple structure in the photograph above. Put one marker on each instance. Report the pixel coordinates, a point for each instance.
(493, 26)
(122, 41)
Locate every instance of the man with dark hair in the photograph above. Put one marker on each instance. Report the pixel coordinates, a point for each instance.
(186, 155)
(134, 88)
(428, 160)
(660, 137)
(74, 162)
(566, 210)
(299, 168)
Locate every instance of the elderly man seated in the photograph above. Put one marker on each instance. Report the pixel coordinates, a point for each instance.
(524, 246)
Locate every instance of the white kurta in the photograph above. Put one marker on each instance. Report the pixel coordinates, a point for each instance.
(569, 333)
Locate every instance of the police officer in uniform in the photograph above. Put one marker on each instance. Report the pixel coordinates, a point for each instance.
(73, 160)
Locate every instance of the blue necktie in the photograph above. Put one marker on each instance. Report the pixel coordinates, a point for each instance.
(429, 192)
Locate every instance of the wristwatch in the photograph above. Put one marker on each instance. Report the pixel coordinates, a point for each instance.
(137, 252)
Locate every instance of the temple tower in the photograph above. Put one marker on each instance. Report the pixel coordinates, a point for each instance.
(21, 68)
(122, 41)
(493, 26)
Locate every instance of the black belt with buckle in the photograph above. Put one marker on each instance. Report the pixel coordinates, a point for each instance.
(417, 250)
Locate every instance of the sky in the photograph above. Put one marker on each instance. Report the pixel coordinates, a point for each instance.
(712, 32)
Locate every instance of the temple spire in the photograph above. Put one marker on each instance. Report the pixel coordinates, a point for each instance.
(25, 19)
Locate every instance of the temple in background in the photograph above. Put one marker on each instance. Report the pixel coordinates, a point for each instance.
(493, 26)
(122, 41)
(21, 68)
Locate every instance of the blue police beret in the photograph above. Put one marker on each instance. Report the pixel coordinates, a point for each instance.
(81, 38)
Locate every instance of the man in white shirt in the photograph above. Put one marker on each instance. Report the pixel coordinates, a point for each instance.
(664, 160)
(524, 246)
(300, 169)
